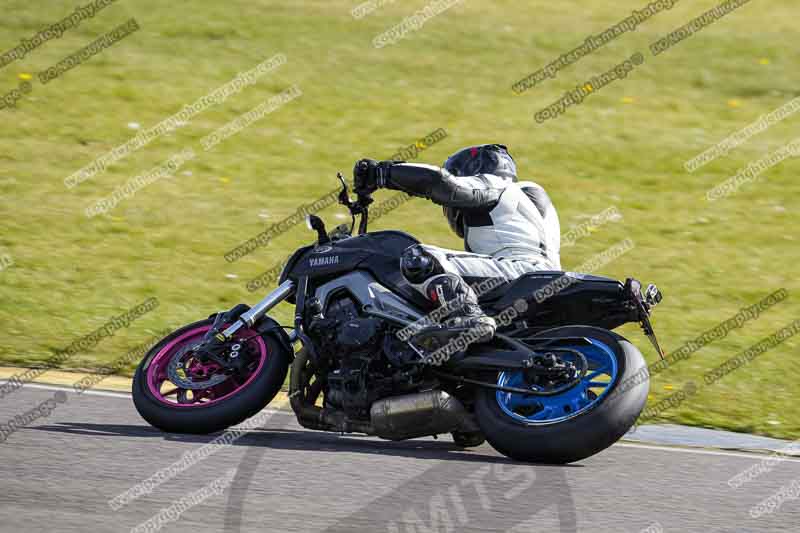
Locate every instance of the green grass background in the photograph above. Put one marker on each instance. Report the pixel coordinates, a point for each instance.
(624, 146)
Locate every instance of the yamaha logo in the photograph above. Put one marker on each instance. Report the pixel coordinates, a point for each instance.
(324, 261)
(322, 249)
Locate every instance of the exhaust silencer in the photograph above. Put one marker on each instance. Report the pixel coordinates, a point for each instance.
(418, 415)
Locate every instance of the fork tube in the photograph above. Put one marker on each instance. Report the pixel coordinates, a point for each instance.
(260, 309)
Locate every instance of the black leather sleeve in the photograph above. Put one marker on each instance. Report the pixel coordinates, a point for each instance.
(438, 185)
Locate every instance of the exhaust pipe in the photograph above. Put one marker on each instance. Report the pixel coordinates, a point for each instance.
(420, 415)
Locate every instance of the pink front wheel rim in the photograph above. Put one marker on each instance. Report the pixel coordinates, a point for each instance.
(157, 377)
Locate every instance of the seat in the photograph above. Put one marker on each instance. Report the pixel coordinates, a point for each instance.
(528, 284)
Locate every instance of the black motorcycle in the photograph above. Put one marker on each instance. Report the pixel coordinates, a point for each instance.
(554, 385)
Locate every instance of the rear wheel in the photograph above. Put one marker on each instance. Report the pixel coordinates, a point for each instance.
(177, 393)
(576, 423)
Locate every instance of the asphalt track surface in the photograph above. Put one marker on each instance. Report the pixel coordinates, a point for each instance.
(60, 472)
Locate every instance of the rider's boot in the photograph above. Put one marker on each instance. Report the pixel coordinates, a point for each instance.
(459, 304)
(456, 322)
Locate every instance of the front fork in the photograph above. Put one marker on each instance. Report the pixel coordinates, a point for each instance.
(249, 318)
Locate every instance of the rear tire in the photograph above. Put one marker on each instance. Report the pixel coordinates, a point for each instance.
(576, 438)
(204, 419)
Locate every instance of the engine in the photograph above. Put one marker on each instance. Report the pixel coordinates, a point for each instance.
(368, 382)
(351, 351)
(342, 331)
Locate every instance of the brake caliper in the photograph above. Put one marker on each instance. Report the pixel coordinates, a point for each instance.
(548, 371)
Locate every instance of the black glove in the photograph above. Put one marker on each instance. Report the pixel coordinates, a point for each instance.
(369, 175)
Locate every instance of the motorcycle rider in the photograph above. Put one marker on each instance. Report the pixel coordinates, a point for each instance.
(509, 227)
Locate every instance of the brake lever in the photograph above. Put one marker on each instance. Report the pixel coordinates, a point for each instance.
(344, 199)
(344, 195)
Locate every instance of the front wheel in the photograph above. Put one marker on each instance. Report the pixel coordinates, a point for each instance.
(577, 423)
(179, 394)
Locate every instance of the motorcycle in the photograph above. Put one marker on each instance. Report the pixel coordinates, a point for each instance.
(554, 385)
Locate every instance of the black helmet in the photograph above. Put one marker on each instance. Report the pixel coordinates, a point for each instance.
(482, 159)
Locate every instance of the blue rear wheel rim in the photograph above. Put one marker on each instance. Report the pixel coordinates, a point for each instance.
(603, 373)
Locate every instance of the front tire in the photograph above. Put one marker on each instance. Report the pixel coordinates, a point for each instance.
(235, 406)
(580, 436)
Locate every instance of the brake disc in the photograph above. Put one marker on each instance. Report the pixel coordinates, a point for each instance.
(181, 376)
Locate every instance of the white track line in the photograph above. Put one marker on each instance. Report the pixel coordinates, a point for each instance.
(703, 451)
(108, 394)
(672, 449)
